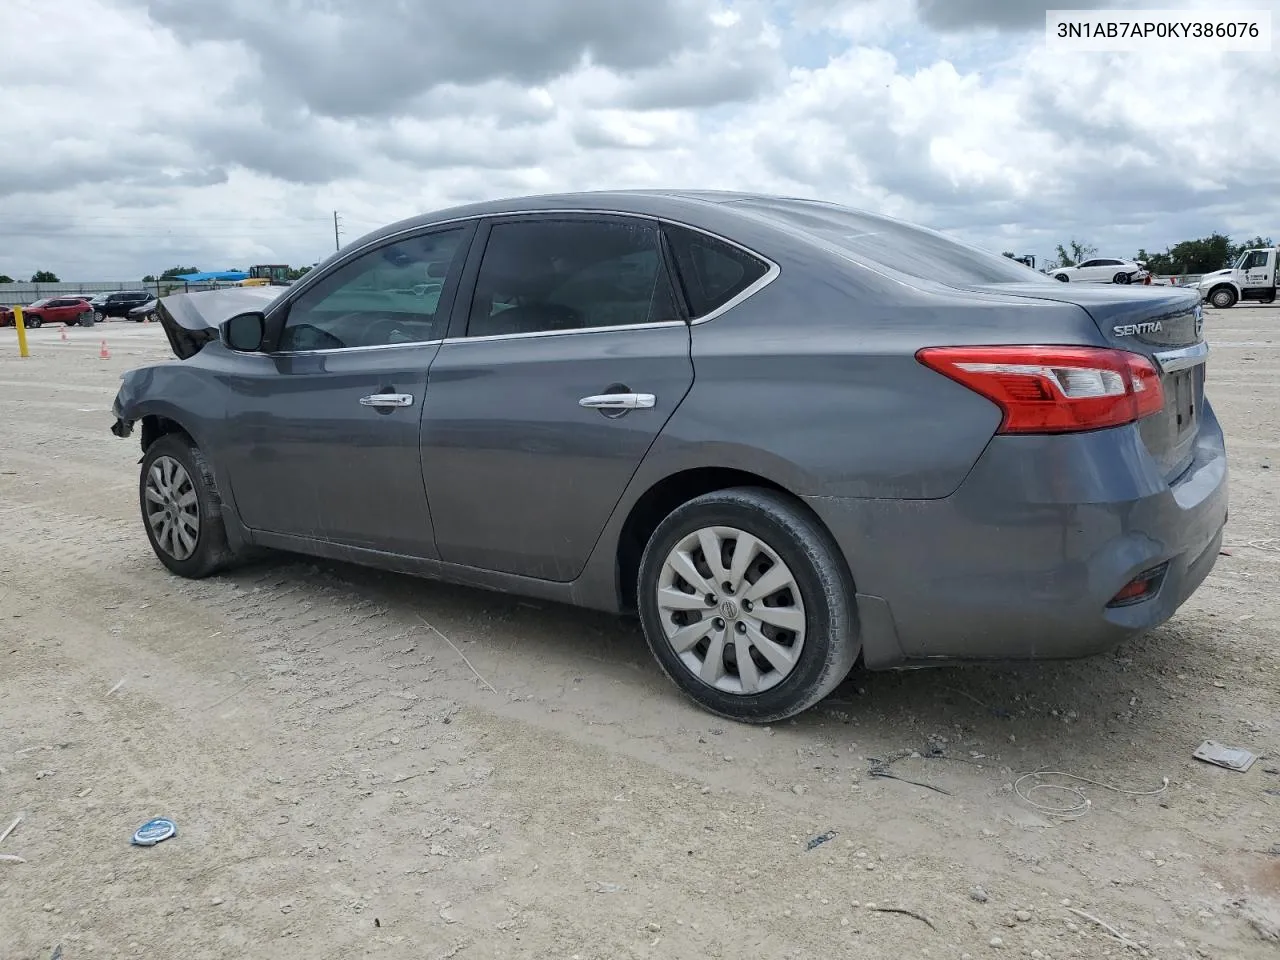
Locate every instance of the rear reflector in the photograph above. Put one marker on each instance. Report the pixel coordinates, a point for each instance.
(1141, 587)
(1045, 389)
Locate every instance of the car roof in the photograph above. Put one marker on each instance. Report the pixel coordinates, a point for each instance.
(707, 209)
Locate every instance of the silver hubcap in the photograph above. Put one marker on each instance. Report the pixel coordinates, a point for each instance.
(731, 610)
(173, 509)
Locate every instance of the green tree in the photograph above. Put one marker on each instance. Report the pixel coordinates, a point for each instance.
(296, 273)
(148, 279)
(1078, 253)
(1203, 255)
(1160, 264)
(178, 272)
(5, 278)
(1239, 248)
(45, 276)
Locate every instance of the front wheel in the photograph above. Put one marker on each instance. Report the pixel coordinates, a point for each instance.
(32, 323)
(747, 605)
(181, 509)
(1122, 278)
(1062, 276)
(1223, 298)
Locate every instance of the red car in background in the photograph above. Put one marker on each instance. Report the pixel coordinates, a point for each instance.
(68, 310)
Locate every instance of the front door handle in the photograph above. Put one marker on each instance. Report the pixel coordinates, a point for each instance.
(619, 401)
(388, 400)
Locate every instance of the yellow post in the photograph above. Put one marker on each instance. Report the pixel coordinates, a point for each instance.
(22, 332)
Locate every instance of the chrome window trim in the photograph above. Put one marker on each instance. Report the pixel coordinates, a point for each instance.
(361, 349)
(303, 285)
(1171, 361)
(567, 333)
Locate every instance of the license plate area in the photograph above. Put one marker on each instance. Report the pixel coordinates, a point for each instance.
(1184, 399)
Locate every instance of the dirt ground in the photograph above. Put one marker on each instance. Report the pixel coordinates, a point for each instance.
(345, 786)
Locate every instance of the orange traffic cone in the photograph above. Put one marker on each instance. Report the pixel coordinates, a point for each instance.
(103, 352)
(64, 333)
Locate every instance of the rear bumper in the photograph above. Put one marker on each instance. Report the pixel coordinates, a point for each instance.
(1022, 560)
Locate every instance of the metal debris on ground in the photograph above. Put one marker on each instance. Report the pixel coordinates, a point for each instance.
(820, 839)
(1232, 758)
(880, 766)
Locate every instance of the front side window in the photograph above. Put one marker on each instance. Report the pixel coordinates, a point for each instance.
(381, 298)
(1255, 259)
(540, 276)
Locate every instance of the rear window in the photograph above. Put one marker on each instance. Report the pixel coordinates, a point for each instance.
(712, 272)
(907, 249)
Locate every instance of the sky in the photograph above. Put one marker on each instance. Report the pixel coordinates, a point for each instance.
(143, 134)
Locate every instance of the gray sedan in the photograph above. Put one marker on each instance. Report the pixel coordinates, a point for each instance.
(787, 435)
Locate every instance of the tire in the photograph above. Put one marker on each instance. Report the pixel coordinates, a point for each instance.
(1062, 276)
(32, 323)
(811, 566)
(1223, 298)
(98, 316)
(1121, 278)
(208, 552)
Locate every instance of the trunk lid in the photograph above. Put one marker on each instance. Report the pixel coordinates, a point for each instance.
(190, 320)
(1163, 324)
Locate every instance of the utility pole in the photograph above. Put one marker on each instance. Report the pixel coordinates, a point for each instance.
(336, 243)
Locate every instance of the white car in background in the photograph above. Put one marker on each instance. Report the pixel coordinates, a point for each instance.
(1102, 270)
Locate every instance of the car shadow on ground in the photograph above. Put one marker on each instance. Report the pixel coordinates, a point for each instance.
(1036, 713)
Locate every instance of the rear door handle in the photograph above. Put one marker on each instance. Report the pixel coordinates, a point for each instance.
(385, 400)
(619, 401)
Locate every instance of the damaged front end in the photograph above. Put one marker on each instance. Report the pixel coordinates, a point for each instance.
(190, 320)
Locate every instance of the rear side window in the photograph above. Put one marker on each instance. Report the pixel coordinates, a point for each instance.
(914, 251)
(712, 272)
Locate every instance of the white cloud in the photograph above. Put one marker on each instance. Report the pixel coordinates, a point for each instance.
(185, 141)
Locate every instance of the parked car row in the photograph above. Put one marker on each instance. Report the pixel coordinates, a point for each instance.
(84, 311)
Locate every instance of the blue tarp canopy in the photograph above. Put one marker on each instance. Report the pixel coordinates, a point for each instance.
(212, 276)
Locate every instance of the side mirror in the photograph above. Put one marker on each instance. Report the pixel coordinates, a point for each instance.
(244, 332)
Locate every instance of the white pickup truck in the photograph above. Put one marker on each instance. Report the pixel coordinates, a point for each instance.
(1252, 278)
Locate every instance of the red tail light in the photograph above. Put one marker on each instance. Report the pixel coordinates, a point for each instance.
(1054, 389)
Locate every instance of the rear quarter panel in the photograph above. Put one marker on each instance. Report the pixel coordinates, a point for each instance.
(813, 382)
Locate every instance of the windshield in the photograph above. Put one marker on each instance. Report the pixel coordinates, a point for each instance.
(907, 249)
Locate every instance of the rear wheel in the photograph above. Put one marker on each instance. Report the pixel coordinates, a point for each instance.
(747, 606)
(1223, 298)
(181, 509)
